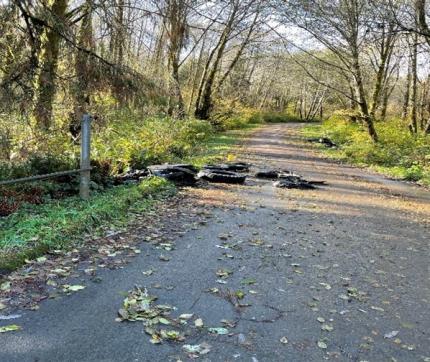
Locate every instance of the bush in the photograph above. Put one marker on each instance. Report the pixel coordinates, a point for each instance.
(279, 117)
(44, 164)
(139, 142)
(398, 151)
(62, 223)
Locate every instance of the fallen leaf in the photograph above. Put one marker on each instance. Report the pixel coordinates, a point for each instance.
(172, 335)
(228, 323)
(10, 316)
(192, 348)
(72, 288)
(199, 323)
(284, 340)
(327, 327)
(391, 334)
(5, 286)
(10, 328)
(220, 281)
(224, 273)
(186, 316)
(155, 339)
(164, 321)
(326, 286)
(164, 258)
(200, 349)
(219, 330)
(322, 345)
(248, 281)
(239, 294)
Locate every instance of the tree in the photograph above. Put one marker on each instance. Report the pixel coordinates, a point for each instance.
(342, 27)
(235, 24)
(176, 27)
(50, 49)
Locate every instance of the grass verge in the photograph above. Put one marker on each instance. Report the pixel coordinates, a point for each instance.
(61, 224)
(34, 230)
(398, 154)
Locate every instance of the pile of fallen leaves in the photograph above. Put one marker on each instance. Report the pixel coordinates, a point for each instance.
(140, 306)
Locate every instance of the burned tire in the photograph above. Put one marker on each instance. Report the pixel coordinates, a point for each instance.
(174, 173)
(319, 183)
(291, 178)
(221, 176)
(234, 167)
(131, 176)
(238, 166)
(269, 174)
(188, 166)
(289, 184)
(324, 141)
(275, 174)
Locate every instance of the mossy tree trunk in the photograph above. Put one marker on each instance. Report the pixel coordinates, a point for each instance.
(84, 70)
(46, 81)
(204, 100)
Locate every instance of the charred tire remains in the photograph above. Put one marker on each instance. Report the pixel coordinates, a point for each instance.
(288, 179)
(324, 141)
(294, 184)
(131, 176)
(221, 176)
(180, 174)
(233, 166)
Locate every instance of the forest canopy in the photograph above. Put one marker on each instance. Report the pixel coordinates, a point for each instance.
(128, 62)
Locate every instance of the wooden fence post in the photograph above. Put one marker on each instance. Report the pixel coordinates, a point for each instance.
(84, 188)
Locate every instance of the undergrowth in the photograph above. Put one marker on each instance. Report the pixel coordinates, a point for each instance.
(46, 222)
(34, 230)
(398, 153)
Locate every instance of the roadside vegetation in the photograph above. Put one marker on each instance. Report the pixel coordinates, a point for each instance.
(398, 153)
(178, 81)
(48, 215)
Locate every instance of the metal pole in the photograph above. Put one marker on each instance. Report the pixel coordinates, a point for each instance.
(84, 189)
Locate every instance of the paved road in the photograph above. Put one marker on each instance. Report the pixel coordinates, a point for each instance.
(346, 265)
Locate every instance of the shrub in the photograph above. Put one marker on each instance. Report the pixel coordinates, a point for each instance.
(404, 154)
(44, 164)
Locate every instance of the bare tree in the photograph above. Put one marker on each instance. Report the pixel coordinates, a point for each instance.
(342, 26)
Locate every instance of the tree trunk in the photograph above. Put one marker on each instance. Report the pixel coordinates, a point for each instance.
(406, 97)
(204, 104)
(49, 63)
(414, 124)
(83, 71)
(176, 24)
(176, 102)
(362, 103)
(385, 104)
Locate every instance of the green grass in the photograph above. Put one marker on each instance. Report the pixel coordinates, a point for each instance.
(397, 154)
(219, 145)
(276, 117)
(34, 230)
(61, 224)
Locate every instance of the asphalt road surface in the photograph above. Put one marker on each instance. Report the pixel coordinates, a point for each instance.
(338, 273)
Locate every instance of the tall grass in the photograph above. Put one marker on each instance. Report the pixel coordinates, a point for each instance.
(398, 152)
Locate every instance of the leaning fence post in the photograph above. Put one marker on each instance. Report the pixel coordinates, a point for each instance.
(84, 189)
